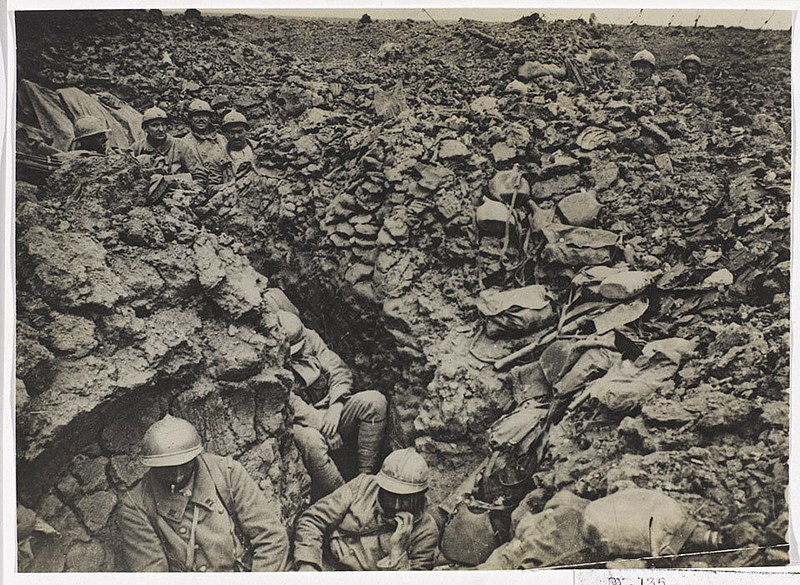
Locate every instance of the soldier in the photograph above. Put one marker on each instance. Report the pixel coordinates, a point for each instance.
(194, 511)
(691, 66)
(210, 144)
(372, 523)
(326, 414)
(239, 148)
(644, 66)
(91, 136)
(164, 153)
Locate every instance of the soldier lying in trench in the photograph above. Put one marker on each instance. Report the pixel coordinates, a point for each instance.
(195, 511)
(327, 415)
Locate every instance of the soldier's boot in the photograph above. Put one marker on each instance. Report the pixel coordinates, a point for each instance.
(325, 476)
(370, 438)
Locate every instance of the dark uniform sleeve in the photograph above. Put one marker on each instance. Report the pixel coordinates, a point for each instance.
(141, 546)
(189, 157)
(320, 520)
(258, 523)
(340, 378)
(422, 546)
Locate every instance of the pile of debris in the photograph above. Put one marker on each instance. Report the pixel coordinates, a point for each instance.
(626, 248)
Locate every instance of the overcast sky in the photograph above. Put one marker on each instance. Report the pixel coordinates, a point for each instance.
(780, 19)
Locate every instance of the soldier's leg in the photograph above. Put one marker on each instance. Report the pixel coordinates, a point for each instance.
(366, 412)
(325, 476)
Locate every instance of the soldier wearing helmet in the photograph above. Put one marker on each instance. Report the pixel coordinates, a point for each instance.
(644, 66)
(691, 66)
(91, 135)
(194, 511)
(327, 414)
(374, 522)
(241, 157)
(163, 153)
(209, 143)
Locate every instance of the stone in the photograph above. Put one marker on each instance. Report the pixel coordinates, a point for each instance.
(721, 277)
(579, 209)
(556, 186)
(141, 229)
(502, 152)
(21, 397)
(125, 470)
(510, 185)
(604, 175)
(452, 149)
(235, 354)
(90, 472)
(71, 334)
(534, 70)
(69, 269)
(33, 360)
(69, 488)
(665, 413)
(664, 163)
(95, 510)
(125, 431)
(602, 56)
(594, 137)
(559, 165)
(432, 176)
(87, 557)
(485, 105)
(227, 277)
(518, 87)
(358, 272)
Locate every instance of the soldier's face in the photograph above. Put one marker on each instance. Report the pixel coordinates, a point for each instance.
(156, 131)
(642, 70)
(96, 143)
(200, 122)
(236, 135)
(691, 69)
(175, 477)
(392, 503)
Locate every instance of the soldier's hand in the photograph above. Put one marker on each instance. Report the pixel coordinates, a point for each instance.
(335, 442)
(306, 567)
(405, 524)
(330, 420)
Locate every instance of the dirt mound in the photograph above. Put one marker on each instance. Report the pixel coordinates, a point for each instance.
(375, 160)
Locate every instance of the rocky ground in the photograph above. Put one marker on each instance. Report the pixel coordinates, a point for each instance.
(379, 140)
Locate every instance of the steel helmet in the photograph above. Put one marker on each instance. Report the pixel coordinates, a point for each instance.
(89, 126)
(645, 56)
(170, 441)
(198, 106)
(404, 472)
(293, 327)
(151, 114)
(692, 58)
(234, 117)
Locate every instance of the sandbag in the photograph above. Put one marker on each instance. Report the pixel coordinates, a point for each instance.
(515, 312)
(636, 523)
(578, 246)
(624, 285)
(77, 104)
(516, 427)
(46, 107)
(470, 534)
(549, 538)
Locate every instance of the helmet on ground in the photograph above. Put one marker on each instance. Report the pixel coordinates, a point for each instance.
(89, 126)
(644, 57)
(403, 472)
(152, 114)
(293, 327)
(234, 117)
(198, 106)
(692, 59)
(170, 441)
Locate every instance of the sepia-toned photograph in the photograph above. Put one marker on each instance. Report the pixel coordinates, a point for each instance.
(391, 290)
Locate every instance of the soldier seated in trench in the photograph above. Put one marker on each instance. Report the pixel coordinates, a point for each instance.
(194, 511)
(327, 415)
